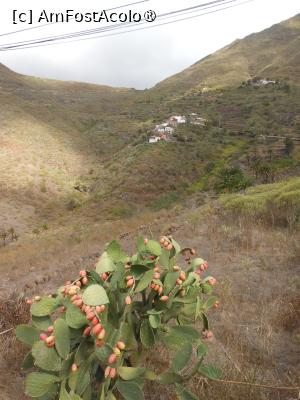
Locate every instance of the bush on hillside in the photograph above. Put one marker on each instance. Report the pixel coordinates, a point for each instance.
(231, 180)
(89, 340)
(277, 203)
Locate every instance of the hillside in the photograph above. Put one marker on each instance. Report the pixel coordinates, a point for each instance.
(75, 152)
(77, 171)
(49, 134)
(274, 52)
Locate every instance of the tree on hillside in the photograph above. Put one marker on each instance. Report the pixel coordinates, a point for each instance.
(231, 180)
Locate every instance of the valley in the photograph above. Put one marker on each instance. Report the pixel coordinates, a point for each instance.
(77, 171)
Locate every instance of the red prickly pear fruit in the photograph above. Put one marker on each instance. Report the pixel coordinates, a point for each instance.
(128, 300)
(156, 275)
(217, 304)
(107, 371)
(182, 276)
(90, 316)
(212, 281)
(156, 268)
(50, 341)
(164, 298)
(117, 351)
(50, 329)
(152, 257)
(78, 283)
(82, 273)
(152, 285)
(78, 303)
(97, 329)
(74, 367)
(207, 334)
(98, 309)
(129, 277)
(29, 302)
(169, 247)
(88, 309)
(146, 241)
(101, 335)
(193, 252)
(43, 336)
(85, 281)
(112, 358)
(104, 277)
(156, 288)
(102, 308)
(95, 321)
(179, 282)
(162, 240)
(75, 297)
(112, 373)
(87, 331)
(121, 345)
(62, 309)
(83, 308)
(130, 283)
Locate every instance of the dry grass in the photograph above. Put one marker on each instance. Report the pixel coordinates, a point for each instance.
(256, 329)
(13, 311)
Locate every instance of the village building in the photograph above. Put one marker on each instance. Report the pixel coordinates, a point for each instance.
(165, 130)
(154, 139)
(177, 119)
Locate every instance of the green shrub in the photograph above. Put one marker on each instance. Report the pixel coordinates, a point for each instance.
(165, 201)
(231, 180)
(278, 203)
(88, 340)
(122, 211)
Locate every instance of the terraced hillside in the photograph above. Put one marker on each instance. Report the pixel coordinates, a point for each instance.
(72, 150)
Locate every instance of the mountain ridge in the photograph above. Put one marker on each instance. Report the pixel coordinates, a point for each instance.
(60, 135)
(290, 26)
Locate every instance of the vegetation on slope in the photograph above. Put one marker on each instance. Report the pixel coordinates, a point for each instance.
(274, 51)
(277, 203)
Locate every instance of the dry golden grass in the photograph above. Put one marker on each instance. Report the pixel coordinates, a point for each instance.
(257, 327)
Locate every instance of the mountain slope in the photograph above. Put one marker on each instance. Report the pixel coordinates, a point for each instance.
(58, 136)
(51, 134)
(274, 52)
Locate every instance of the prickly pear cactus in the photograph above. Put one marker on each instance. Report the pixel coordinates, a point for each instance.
(88, 339)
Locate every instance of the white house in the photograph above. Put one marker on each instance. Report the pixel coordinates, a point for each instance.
(169, 129)
(163, 128)
(177, 119)
(154, 139)
(199, 121)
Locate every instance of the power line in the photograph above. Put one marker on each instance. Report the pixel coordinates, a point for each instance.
(45, 40)
(56, 22)
(150, 26)
(112, 27)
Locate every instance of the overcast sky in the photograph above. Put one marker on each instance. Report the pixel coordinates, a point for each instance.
(137, 59)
